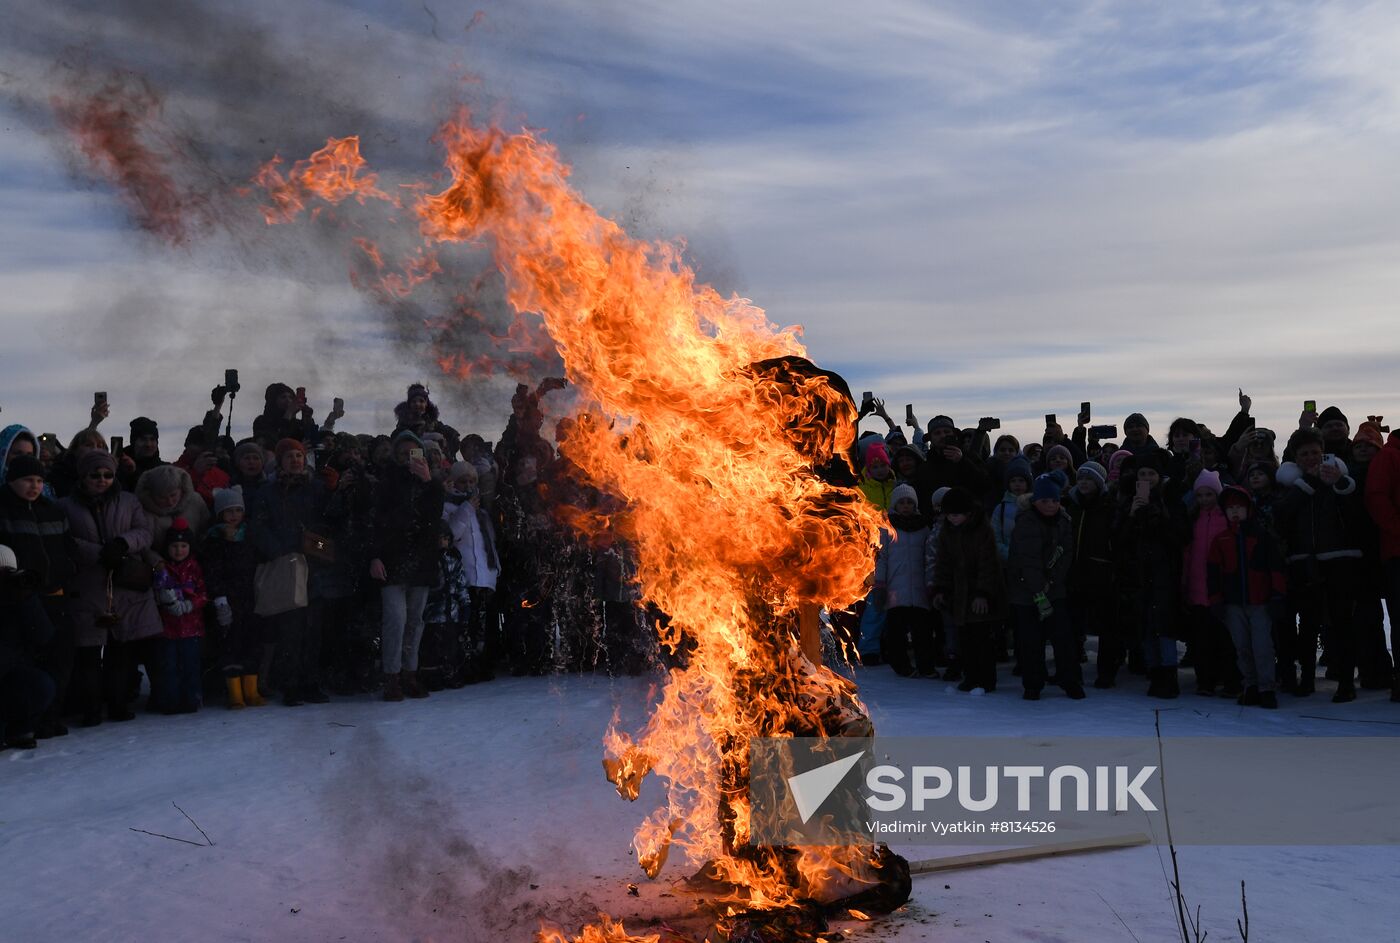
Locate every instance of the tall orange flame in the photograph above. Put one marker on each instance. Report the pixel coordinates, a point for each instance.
(713, 461)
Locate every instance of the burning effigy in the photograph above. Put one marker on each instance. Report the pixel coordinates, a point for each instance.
(721, 448)
(713, 431)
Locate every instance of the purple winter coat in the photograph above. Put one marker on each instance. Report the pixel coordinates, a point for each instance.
(115, 515)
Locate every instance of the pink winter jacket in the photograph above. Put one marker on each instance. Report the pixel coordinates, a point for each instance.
(1209, 525)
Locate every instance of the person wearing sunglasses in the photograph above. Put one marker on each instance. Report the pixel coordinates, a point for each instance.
(108, 604)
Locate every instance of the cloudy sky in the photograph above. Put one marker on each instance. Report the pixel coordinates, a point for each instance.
(983, 208)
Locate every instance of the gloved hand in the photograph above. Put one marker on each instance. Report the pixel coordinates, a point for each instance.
(182, 607)
(112, 553)
(223, 612)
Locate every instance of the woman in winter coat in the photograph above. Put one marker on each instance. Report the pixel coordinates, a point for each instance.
(1317, 519)
(969, 587)
(901, 587)
(475, 539)
(1151, 533)
(167, 492)
(287, 508)
(110, 528)
(407, 511)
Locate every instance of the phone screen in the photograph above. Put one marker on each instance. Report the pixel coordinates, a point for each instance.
(1310, 406)
(416, 453)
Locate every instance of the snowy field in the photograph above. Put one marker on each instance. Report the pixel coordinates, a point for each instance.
(474, 814)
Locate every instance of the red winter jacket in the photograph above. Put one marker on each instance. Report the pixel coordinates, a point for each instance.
(1383, 495)
(187, 579)
(1244, 566)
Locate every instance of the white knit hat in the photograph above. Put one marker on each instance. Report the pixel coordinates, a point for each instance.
(7, 559)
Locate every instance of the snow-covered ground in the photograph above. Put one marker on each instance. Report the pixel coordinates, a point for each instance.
(474, 814)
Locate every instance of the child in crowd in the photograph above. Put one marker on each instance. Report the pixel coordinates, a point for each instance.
(1210, 640)
(901, 587)
(180, 592)
(446, 617)
(1003, 519)
(1042, 553)
(969, 588)
(230, 567)
(1245, 572)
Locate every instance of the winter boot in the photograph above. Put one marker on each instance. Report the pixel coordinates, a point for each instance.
(413, 686)
(251, 696)
(1345, 692)
(235, 694)
(392, 690)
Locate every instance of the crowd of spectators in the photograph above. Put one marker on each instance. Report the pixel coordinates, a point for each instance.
(302, 561)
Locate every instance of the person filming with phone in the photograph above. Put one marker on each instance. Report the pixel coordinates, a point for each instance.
(285, 415)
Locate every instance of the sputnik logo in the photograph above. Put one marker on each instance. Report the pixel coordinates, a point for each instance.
(810, 789)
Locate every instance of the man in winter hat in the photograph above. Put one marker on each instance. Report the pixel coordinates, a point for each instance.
(1137, 436)
(1336, 433)
(1095, 471)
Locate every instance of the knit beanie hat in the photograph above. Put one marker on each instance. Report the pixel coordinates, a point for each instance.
(1061, 451)
(142, 426)
(1115, 463)
(94, 460)
(23, 466)
(405, 434)
(937, 499)
(1018, 467)
(8, 560)
(225, 498)
(245, 448)
(1330, 414)
(877, 453)
(288, 445)
(417, 389)
(1155, 460)
(1137, 419)
(903, 491)
(459, 469)
(1210, 480)
(1095, 471)
(1047, 487)
(941, 422)
(179, 532)
(958, 501)
(1264, 467)
(1370, 432)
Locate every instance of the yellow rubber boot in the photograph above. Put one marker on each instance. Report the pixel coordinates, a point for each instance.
(250, 691)
(235, 694)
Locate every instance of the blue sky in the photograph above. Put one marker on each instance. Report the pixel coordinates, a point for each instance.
(982, 208)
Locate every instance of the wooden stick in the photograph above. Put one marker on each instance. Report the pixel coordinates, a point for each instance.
(207, 839)
(170, 837)
(981, 858)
